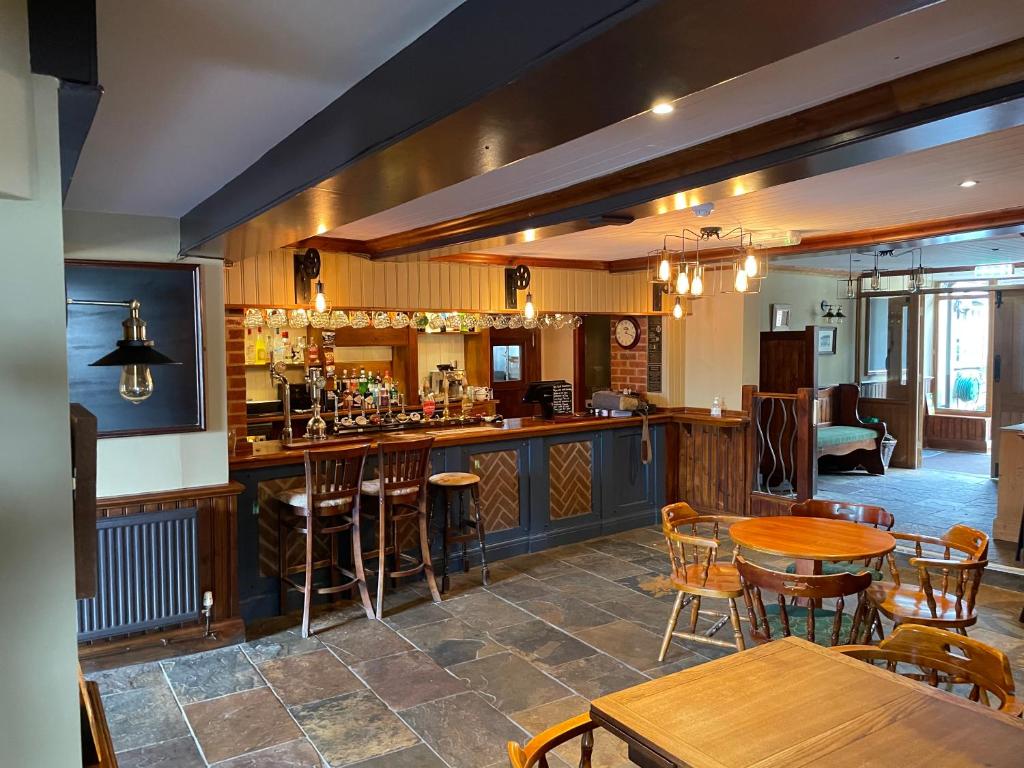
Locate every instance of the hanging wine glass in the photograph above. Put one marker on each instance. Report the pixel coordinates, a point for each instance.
(298, 318)
(339, 319)
(253, 318)
(400, 320)
(277, 318)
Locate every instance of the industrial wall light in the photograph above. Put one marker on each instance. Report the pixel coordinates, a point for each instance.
(134, 353)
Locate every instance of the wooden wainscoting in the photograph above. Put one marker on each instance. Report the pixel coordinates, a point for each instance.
(217, 516)
(955, 432)
(711, 471)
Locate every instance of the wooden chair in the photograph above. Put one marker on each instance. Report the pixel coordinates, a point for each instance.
(697, 572)
(400, 492)
(947, 586)
(536, 750)
(781, 620)
(325, 504)
(865, 514)
(942, 656)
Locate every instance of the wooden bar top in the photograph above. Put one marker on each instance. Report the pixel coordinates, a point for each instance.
(270, 453)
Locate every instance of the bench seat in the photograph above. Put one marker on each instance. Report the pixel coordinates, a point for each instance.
(835, 436)
(845, 441)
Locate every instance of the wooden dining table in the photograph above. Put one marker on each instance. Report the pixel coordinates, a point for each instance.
(793, 703)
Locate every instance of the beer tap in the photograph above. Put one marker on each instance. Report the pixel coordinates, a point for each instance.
(278, 378)
(316, 427)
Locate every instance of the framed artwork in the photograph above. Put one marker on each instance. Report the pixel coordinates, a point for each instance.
(171, 306)
(780, 317)
(827, 341)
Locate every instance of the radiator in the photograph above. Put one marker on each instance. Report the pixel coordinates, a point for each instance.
(147, 574)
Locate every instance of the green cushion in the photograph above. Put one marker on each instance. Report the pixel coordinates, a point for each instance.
(823, 618)
(830, 569)
(829, 436)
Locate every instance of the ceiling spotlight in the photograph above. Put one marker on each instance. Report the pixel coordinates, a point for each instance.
(663, 108)
(968, 183)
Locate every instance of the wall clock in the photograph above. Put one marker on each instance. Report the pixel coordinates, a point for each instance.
(627, 332)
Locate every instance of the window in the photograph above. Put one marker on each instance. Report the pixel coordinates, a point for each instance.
(887, 321)
(506, 362)
(961, 353)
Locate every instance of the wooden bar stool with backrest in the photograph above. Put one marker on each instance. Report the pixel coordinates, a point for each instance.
(448, 484)
(947, 585)
(770, 622)
(536, 751)
(939, 656)
(400, 493)
(326, 503)
(865, 514)
(696, 571)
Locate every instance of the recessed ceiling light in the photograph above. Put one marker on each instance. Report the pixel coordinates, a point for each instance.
(662, 108)
(966, 183)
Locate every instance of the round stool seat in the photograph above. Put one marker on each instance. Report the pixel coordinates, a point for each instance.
(454, 479)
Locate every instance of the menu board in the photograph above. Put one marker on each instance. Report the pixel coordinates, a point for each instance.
(654, 383)
(561, 398)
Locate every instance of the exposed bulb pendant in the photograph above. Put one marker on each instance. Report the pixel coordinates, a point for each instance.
(529, 312)
(697, 284)
(677, 310)
(664, 269)
(741, 280)
(876, 279)
(320, 301)
(683, 281)
(750, 263)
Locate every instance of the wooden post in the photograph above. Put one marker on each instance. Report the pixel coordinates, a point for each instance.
(807, 465)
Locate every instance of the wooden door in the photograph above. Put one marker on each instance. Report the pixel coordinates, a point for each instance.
(789, 361)
(1007, 366)
(515, 362)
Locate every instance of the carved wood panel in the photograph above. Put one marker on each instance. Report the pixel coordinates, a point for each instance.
(499, 488)
(571, 479)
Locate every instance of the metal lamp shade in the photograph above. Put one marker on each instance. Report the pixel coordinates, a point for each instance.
(134, 352)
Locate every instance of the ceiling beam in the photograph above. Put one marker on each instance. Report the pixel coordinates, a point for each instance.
(494, 82)
(960, 99)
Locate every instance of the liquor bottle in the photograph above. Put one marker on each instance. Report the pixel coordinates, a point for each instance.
(299, 350)
(384, 393)
(364, 383)
(261, 347)
(343, 382)
(250, 347)
(286, 342)
(278, 348)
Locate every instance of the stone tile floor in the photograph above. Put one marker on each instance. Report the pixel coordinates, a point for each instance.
(435, 685)
(926, 501)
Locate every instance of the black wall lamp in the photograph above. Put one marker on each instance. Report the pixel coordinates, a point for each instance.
(134, 353)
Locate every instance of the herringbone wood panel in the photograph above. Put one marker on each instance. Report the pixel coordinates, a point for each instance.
(499, 488)
(571, 479)
(270, 510)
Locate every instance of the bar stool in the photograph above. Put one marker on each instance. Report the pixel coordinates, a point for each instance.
(325, 504)
(450, 483)
(400, 493)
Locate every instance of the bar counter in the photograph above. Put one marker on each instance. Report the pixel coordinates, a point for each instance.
(543, 484)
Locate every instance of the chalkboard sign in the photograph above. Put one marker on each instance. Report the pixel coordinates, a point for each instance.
(654, 349)
(561, 398)
(170, 299)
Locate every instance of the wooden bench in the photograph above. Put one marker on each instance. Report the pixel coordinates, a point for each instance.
(843, 441)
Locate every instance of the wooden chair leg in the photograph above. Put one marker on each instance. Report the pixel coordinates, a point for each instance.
(485, 573)
(381, 558)
(737, 630)
(694, 613)
(428, 566)
(357, 564)
(677, 606)
(307, 595)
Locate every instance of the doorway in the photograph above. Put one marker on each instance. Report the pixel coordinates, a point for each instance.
(593, 359)
(515, 362)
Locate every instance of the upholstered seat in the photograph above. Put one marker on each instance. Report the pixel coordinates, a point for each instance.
(294, 495)
(797, 614)
(839, 435)
(830, 569)
(372, 488)
(722, 578)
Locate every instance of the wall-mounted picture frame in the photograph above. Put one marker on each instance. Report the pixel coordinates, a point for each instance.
(780, 314)
(171, 306)
(826, 341)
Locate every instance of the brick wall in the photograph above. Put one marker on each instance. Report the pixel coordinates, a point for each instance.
(629, 366)
(234, 341)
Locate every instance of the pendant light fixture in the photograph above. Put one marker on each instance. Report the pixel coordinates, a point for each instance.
(915, 280)
(848, 287)
(683, 280)
(529, 311)
(697, 284)
(664, 267)
(876, 277)
(677, 310)
(134, 353)
(320, 300)
(740, 282)
(750, 266)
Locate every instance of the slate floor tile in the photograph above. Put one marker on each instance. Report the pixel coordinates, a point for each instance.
(291, 754)
(628, 642)
(309, 677)
(412, 612)
(280, 644)
(239, 723)
(509, 682)
(464, 730)
(605, 565)
(129, 678)
(521, 588)
(452, 641)
(420, 756)
(542, 644)
(567, 612)
(361, 639)
(176, 753)
(407, 679)
(144, 716)
(485, 611)
(597, 675)
(212, 674)
(353, 727)
(620, 547)
(589, 587)
(540, 566)
(651, 613)
(609, 751)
